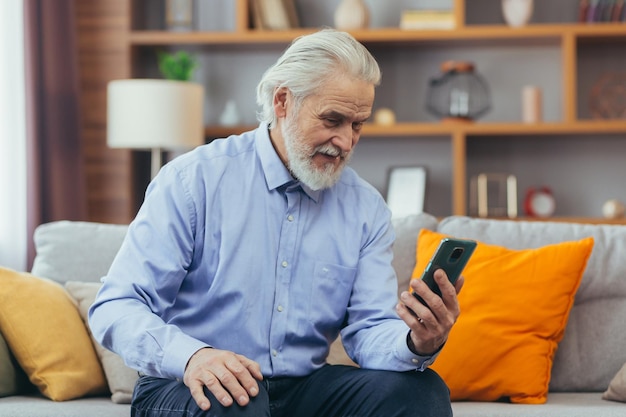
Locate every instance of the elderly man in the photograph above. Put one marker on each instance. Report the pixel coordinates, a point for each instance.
(252, 253)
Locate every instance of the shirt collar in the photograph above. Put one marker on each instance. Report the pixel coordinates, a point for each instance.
(276, 174)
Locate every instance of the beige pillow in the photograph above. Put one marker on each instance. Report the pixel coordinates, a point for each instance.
(43, 329)
(121, 378)
(617, 387)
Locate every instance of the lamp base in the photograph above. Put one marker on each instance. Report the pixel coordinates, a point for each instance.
(156, 162)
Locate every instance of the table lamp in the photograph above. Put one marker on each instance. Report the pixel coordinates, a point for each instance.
(156, 115)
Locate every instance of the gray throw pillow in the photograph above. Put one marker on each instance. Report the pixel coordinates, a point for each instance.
(13, 379)
(76, 251)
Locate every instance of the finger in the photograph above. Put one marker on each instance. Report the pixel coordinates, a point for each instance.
(415, 284)
(253, 367)
(197, 377)
(411, 311)
(408, 316)
(424, 340)
(448, 291)
(437, 317)
(197, 393)
(216, 386)
(450, 310)
(458, 285)
(244, 385)
(228, 379)
(432, 300)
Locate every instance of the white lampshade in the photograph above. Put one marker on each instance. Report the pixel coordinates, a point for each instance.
(156, 115)
(147, 114)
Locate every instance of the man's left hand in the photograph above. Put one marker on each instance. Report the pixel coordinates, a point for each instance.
(430, 325)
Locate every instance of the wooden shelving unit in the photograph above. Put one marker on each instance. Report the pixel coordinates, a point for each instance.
(547, 33)
(566, 37)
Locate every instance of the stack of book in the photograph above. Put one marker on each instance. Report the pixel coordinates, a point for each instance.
(597, 11)
(427, 19)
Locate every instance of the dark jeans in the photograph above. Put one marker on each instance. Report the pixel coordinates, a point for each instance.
(333, 391)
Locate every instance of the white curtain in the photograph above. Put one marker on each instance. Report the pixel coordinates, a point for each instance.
(13, 230)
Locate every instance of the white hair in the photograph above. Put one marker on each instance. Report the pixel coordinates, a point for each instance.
(308, 62)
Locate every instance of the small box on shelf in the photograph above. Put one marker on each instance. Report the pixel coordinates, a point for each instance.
(427, 19)
(274, 14)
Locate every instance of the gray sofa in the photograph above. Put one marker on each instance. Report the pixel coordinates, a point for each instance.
(588, 359)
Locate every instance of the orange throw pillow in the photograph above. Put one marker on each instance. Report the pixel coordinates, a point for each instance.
(514, 308)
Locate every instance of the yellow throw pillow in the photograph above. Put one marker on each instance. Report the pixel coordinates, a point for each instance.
(43, 328)
(514, 308)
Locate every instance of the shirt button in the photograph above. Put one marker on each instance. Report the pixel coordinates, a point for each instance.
(274, 353)
(280, 308)
(415, 361)
(290, 218)
(284, 264)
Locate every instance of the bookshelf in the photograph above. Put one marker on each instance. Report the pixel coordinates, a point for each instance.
(568, 50)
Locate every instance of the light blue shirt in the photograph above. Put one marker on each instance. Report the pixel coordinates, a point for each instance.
(229, 251)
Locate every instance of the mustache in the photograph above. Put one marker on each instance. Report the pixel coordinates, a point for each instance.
(331, 150)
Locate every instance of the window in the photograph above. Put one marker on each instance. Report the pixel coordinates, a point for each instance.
(13, 230)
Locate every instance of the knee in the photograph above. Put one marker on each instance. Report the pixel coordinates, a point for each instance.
(257, 407)
(169, 398)
(415, 394)
(428, 382)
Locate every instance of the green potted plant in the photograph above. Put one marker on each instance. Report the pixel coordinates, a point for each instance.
(177, 66)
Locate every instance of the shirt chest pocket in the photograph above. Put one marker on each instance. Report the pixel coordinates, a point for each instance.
(331, 287)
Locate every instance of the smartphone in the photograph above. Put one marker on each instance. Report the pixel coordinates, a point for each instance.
(451, 255)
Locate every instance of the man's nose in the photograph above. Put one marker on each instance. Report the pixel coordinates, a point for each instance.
(345, 138)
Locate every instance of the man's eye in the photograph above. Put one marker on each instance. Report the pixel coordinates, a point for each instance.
(333, 122)
(357, 125)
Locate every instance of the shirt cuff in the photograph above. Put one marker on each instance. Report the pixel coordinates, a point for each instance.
(178, 353)
(419, 362)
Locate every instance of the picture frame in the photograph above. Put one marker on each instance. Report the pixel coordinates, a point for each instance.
(493, 195)
(274, 14)
(406, 190)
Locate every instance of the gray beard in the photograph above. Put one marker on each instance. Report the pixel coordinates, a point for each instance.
(301, 163)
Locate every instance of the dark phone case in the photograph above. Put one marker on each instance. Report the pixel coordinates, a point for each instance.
(443, 259)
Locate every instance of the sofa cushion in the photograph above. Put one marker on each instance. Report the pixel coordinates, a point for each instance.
(617, 387)
(76, 251)
(592, 350)
(39, 406)
(514, 308)
(121, 379)
(42, 327)
(560, 404)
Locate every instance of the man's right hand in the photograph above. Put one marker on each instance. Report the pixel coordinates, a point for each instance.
(227, 376)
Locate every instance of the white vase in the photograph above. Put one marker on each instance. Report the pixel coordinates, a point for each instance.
(352, 14)
(230, 115)
(517, 12)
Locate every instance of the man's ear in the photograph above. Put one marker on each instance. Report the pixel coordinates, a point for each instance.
(280, 102)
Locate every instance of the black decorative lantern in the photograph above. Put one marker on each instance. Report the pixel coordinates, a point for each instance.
(459, 93)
